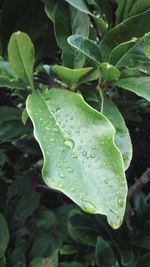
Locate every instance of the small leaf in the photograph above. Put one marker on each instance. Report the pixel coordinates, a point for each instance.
(21, 57)
(4, 235)
(138, 85)
(89, 48)
(147, 45)
(109, 72)
(73, 137)
(104, 253)
(71, 76)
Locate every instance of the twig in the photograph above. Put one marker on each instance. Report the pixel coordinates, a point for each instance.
(139, 184)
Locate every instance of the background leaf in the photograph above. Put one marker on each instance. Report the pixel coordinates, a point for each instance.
(4, 235)
(137, 85)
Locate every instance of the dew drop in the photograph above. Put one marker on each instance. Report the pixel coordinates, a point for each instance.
(115, 225)
(72, 189)
(93, 147)
(56, 130)
(61, 175)
(69, 143)
(88, 206)
(60, 186)
(70, 170)
(84, 153)
(106, 181)
(80, 147)
(120, 202)
(74, 156)
(92, 156)
(52, 140)
(78, 131)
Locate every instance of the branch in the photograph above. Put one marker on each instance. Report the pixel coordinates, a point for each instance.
(139, 184)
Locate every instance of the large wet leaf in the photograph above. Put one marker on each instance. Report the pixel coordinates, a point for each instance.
(80, 156)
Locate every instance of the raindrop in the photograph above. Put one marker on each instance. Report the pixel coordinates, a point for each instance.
(70, 170)
(84, 153)
(93, 147)
(60, 186)
(88, 206)
(72, 189)
(56, 130)
(92, 156)
(120, 202)
(78, 131)
(115, 225)
(74, 156)
(69, 143)
(61, 175)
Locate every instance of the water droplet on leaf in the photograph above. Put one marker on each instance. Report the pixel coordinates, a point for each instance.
(120, 202)
(69, 143)
(88, 206)
(61, 175)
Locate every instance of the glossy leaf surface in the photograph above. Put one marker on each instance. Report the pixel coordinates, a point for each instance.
(137, 85)
(80, 156)
(125, 31)
(89, 48)
(71, 76)
(122, 136)
(21, 57)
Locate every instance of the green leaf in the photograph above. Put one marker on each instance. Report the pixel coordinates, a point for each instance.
(109, 72)
(125, 31)
(71, 23)
(50, 8)
(138, 85)
(71, 76)
(73, 137)
(121, 50)
(122, 136)
(21, 57)
(87, 47)
(9, 113)
(147, 45)
(104, 253)
(7, 78)
(81, 228)
(4, 235)
(81, 5)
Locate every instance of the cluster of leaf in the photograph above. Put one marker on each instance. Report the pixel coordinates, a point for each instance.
(69, 82)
